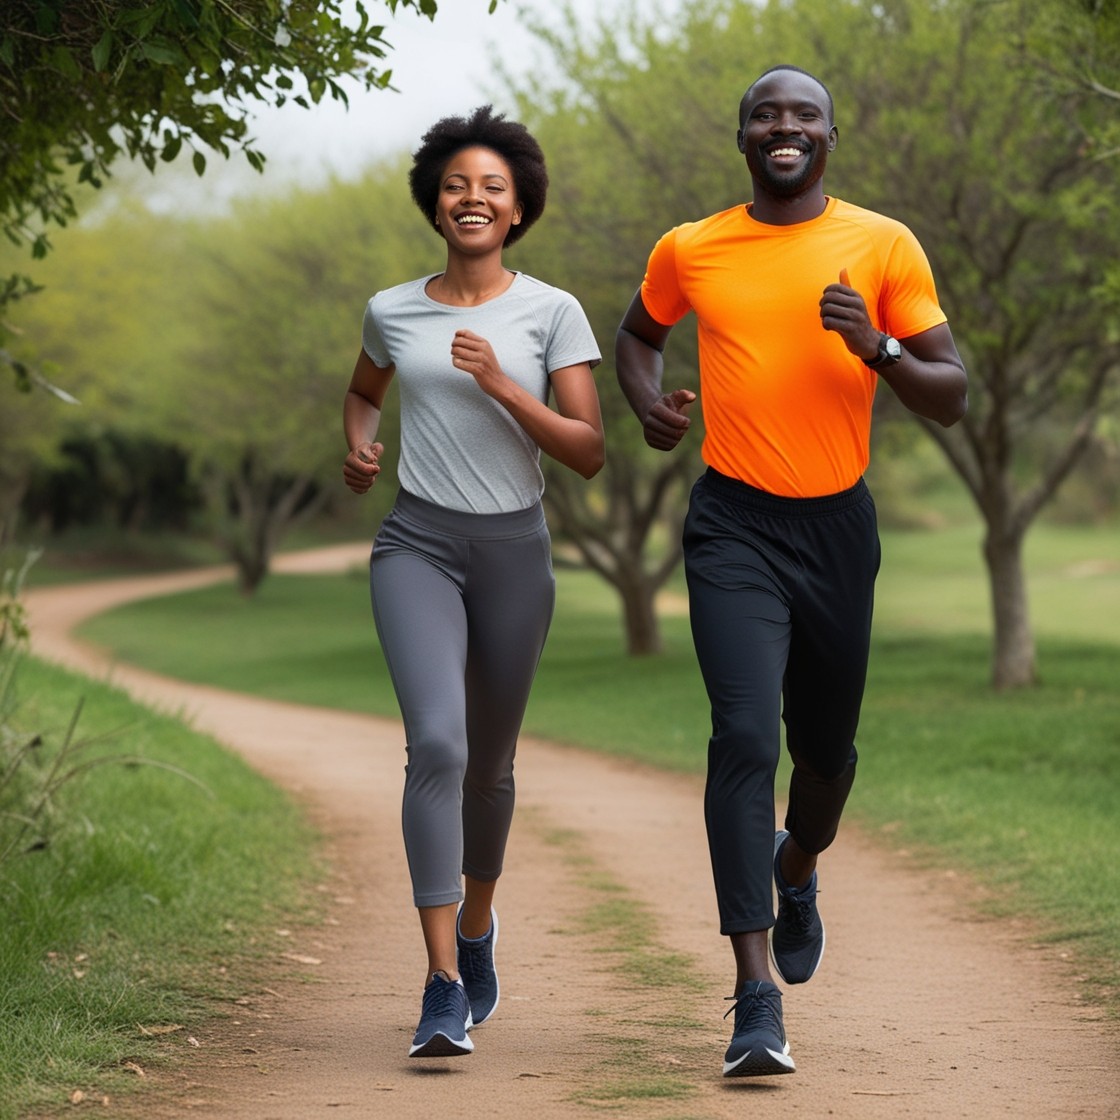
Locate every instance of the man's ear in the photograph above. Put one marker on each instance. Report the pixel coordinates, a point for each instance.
(740, 140)
(833, 138)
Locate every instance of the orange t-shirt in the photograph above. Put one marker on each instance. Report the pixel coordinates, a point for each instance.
(787, 407)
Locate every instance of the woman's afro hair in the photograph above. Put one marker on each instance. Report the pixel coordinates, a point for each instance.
(482, 129)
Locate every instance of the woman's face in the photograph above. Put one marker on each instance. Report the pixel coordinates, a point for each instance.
(477, 201)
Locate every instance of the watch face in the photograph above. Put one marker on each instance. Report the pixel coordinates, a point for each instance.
(893, 348)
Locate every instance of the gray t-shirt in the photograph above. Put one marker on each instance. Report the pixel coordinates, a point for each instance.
(459, 448)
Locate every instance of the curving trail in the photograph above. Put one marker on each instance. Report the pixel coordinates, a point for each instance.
(921, 1009)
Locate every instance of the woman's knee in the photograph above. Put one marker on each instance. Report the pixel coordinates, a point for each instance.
(436, 757)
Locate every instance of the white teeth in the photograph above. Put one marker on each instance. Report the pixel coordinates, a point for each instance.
(472, 220)
(786, 152)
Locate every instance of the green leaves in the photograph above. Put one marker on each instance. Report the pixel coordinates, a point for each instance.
(171, 146)
(197, 65)
(102, 50)
(106, 79)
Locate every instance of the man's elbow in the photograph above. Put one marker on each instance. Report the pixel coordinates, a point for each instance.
(955, 409)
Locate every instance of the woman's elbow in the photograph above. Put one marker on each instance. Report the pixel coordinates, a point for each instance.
(594, 464)
(591, 463)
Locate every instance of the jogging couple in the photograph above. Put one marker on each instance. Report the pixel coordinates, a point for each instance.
(803, 302)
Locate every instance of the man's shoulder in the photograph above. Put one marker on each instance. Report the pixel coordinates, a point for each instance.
(704, 229)
(871, 220)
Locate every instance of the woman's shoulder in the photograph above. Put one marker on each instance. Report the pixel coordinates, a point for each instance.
(537, 291)
(398, 294)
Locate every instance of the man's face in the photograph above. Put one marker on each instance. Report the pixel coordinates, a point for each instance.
(786, 133)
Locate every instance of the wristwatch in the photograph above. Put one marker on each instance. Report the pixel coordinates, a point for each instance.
(890, 351)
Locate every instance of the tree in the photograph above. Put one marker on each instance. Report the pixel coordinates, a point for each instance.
(150, 80)
(280, 288)
(999, 179)
(95, 318)
(594, 240)
(1077, 43)
(940, 126)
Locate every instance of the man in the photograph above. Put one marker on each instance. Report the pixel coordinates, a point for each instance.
(802, 302)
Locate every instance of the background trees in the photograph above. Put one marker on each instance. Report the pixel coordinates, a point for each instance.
(231, 339)
(281, 290)
(82, 85)
(996, 171)
(151, 80)
(941, 125)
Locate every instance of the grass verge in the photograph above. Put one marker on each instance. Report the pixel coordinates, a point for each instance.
(646, 978)
(147, 904)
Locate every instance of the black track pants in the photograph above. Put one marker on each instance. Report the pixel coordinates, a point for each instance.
(780, 600)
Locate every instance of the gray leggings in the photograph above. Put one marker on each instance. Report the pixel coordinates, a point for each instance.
(462, 604)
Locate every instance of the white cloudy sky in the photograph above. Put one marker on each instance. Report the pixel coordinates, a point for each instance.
(439, 67)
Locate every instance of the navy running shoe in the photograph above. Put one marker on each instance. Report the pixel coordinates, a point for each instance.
(758, 1045)
(476, 967)
(797, 937)
(445, 1018)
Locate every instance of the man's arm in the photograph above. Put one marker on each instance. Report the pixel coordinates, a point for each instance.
(640, 367)
(929, 379)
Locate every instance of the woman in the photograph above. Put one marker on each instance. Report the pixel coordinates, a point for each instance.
(461, 573)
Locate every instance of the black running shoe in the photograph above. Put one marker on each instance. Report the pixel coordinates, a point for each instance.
(445, 1018)
(758, 1045)
(797, 938)
(476, 967)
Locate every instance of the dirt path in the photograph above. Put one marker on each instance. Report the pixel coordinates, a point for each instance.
(921, 1009)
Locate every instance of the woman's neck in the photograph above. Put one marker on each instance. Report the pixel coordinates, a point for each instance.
(469, 283)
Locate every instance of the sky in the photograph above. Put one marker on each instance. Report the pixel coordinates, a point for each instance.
(439, 67)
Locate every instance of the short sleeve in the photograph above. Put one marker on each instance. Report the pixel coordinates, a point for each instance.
(908, 300)
(372, 342)
(571, 340)
(661, 290)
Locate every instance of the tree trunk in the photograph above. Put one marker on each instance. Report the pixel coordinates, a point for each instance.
(611, 531)
(1013, 651)
(643, 631)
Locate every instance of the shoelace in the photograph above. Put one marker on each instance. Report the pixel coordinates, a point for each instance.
(758, 1004)
(439, 998)
(799, 911)
(474, 958)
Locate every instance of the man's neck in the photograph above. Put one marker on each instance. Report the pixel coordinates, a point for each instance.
(773, 211)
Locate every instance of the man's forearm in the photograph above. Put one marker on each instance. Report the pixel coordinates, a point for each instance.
(640, 369)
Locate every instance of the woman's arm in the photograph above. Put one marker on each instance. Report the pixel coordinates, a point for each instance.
(572, 434)
(361, 414)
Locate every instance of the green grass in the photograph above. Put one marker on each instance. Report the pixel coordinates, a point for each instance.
(622, 929)
(1021, 789)
(106, 553)
(150, 903)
